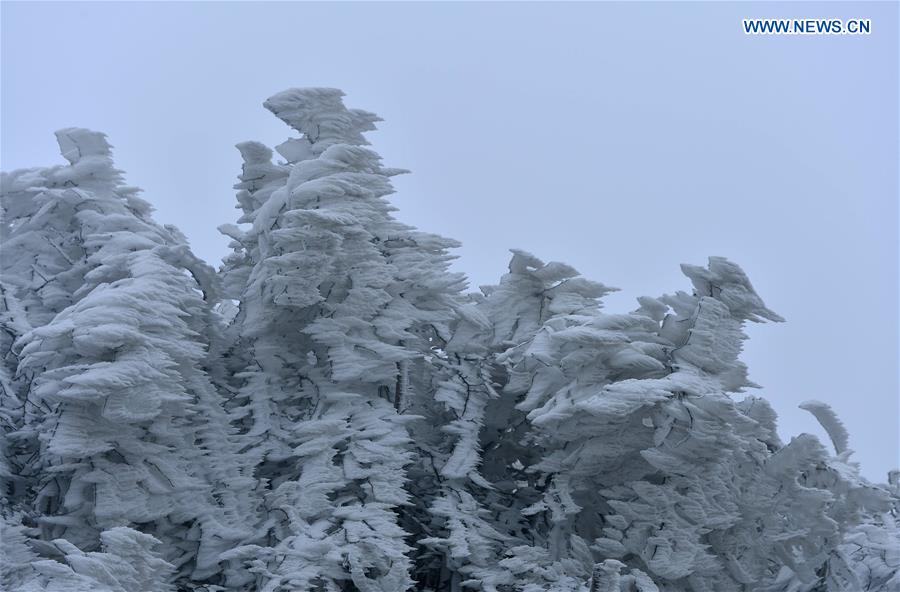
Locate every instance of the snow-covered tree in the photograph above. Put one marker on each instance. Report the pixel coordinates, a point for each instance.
(339, 300)
(129, 429)
(481, 467)
(649, 456)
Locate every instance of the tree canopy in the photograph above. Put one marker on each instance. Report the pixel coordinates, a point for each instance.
(332, 410)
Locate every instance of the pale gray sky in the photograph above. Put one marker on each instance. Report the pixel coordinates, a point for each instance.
(623, 139)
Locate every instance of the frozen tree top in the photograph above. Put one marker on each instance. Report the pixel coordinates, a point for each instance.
(830, 422)
(728, 282)
(320, 115)
(75, 143)
(254, 152)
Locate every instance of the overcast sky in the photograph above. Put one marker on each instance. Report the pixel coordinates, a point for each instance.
(623, 139)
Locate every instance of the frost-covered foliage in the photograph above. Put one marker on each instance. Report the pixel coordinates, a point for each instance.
(331, 412)
(113, 418)
(128, 561)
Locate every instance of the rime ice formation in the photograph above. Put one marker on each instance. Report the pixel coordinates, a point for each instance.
(332, 411)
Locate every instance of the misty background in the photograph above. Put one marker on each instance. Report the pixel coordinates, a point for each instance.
(623, 139)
